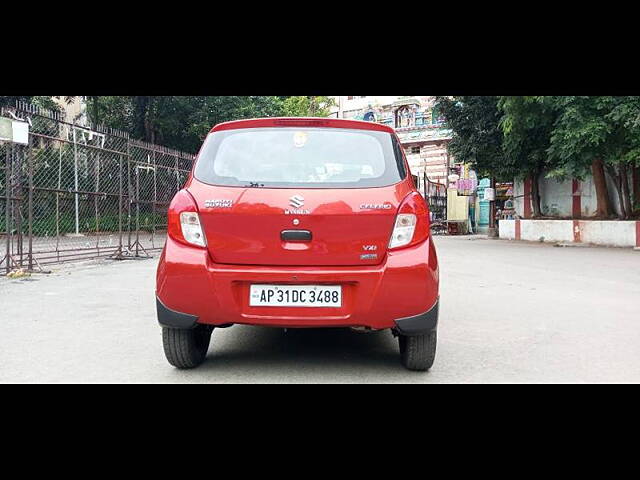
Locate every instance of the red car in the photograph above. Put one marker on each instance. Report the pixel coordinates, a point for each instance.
(299, 223)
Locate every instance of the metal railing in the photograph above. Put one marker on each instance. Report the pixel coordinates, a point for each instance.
(75, 193)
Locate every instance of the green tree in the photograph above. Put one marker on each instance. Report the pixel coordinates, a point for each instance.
(595, 133)
(527, 124)
(182, 122)
(179, 122)
(477, 136)
(44, 102)
(307, 106)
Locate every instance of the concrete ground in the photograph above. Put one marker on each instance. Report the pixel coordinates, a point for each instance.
(510, 312)
(69, 248)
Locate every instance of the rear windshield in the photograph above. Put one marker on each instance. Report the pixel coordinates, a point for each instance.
(300, 157)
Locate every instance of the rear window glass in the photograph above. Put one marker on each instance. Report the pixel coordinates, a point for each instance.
(300, 157)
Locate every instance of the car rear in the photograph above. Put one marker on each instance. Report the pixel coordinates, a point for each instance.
(299, 223)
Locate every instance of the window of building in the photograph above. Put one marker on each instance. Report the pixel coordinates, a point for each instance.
(415, 150)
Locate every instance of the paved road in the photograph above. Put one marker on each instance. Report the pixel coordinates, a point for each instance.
(510, 312)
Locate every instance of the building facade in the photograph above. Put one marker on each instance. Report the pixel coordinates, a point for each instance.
(417, 123)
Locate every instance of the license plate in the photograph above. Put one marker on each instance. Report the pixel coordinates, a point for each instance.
(295, 296)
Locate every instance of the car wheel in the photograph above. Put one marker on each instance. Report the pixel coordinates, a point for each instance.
(418, 352)
(186, 348)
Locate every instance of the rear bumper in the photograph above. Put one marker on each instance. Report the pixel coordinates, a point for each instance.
(396, 294)
(410, 326)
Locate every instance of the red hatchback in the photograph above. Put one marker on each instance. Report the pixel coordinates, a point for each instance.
(299, 223)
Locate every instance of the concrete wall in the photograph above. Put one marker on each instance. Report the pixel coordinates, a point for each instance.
(616, 234)
(549, 230)
(507, 229)
(557, 197)
(606, 233)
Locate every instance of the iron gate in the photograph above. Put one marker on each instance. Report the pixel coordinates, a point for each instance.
(74, 193)
(436, 196)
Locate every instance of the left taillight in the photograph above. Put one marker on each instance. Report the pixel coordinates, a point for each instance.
(183, 221)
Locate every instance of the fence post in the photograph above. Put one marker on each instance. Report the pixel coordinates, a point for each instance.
(177, 164)
(75, 174)
(16, 204)
(137, 170)
(153, 205)
(129, 195)
(58, 202)
(7, 216)
(30, 200)
(120, 199)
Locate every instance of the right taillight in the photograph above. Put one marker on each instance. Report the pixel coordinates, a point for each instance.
(412, 222)
(183, 221)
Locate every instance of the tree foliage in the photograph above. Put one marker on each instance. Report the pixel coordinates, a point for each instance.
(588, 127)
(45, 102)
(307, 106)
(477, 135)
(182, 122)
(603, 129)
(557, 136)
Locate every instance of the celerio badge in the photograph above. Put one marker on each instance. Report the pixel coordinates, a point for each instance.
(218, 203)
(375, 206)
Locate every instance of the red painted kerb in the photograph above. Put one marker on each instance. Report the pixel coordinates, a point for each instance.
(576, 231)
(637, 234)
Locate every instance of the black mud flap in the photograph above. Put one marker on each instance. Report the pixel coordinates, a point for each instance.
(171, 319)
(420, 324)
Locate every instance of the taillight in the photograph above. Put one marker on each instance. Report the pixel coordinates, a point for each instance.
(412, 222)
(183, 222)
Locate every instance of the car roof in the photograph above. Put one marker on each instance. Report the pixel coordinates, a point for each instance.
(320, 122)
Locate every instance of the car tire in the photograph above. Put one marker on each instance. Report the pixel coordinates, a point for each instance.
(186, 348)
(418, 352)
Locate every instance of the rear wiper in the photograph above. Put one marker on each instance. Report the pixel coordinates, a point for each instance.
(254, 185)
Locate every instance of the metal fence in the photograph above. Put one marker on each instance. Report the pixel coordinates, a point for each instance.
(436, 196)
(74, 193)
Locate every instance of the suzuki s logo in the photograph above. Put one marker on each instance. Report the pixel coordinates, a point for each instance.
(297, 201)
